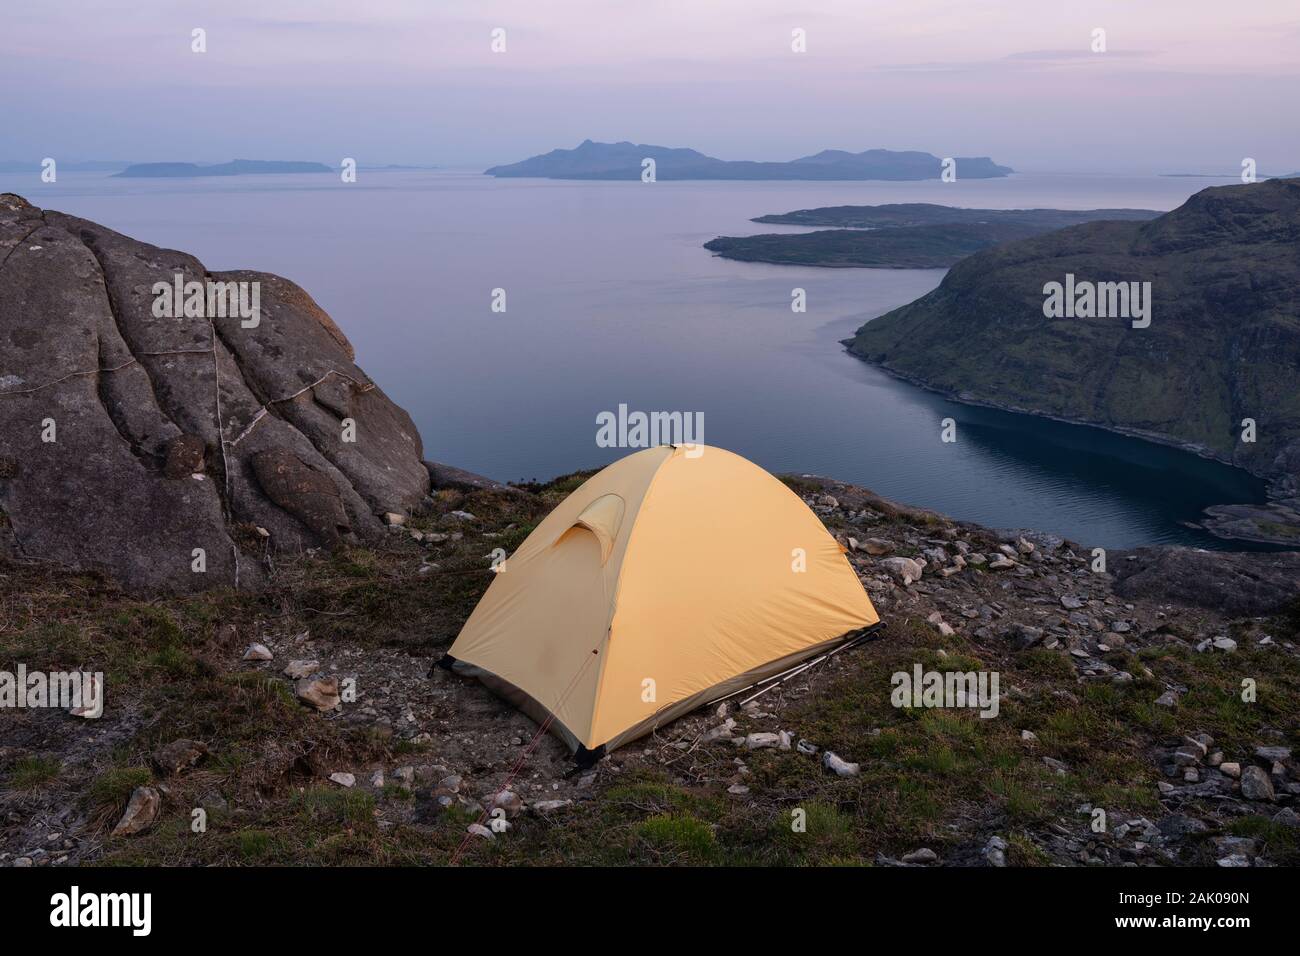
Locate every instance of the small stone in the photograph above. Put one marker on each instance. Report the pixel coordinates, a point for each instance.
(296, 670)
(1236, 859)
(921, 856)
(546, 806)
(258, 652)
(1225, 644)
(377, 780)
(344, 779)
(762, 741)
(905, 570)
(1024, 636)
(739, 789)
(1287, 818)
(323, 694)
(839, 766)
(478, 830)
(1230, 769)
(510, 802)
(1167, 699)
(178, 755)
(1273, 753)
(719, 732)
(141, 811)
(806, 747)
(995, 851)
(1255, 784)
(1028, 736)
(1071, 602)
(393, 519)
(877, 546)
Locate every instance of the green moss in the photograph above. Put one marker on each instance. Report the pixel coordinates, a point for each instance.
(679, 838)
(111, 789)
(29, 773)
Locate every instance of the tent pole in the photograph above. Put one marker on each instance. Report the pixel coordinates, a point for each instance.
(784, 676)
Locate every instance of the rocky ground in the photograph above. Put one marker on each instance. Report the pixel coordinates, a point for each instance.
(305, 722)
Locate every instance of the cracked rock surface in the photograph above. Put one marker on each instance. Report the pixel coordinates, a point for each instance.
(129, 441)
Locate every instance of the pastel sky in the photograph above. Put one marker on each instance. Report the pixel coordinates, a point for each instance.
(1185, 85)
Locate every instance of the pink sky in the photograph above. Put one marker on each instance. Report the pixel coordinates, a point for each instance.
(1184, 85)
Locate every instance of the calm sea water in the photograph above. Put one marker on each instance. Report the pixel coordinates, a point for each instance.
(611, 300)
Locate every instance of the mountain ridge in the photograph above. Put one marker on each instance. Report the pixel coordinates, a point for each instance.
(1223, 345)
(622, 161)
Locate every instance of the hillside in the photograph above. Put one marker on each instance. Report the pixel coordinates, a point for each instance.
(623, 160)
(1118, 691)
(1223, 343)
(301, 722)
(901, 235)
(934, 214)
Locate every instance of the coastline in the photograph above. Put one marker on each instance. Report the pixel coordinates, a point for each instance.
(1223, 520)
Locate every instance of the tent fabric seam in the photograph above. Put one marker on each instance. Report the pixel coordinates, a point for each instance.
(618, 586)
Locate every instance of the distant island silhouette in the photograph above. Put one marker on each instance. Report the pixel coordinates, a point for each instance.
(237, 167)
(624, 160)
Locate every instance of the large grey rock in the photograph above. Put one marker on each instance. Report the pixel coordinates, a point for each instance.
(161, 423)
(449, 476)
(1238, 583)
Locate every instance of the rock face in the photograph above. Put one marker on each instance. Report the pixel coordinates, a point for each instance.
(129, 442)
(1237, 583)
(1222, 346)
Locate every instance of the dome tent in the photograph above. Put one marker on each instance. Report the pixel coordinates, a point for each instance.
(673, 577)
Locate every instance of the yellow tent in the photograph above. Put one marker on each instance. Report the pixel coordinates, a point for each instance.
(675, 576)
